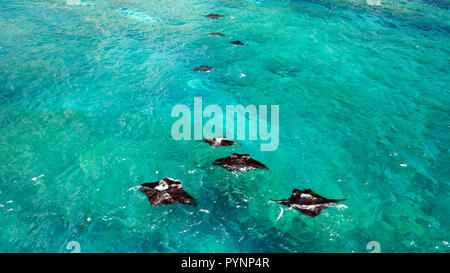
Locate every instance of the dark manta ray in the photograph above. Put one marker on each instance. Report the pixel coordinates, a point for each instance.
(236, 43)
(166, 191)
(215, 34)
(239, 163)
(308, 202)
(213, 15)
(203, 68)
(219, 141)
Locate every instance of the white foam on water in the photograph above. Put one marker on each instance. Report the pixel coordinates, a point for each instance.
(281, 214)
(374, 2)
(134, 188)
(138, 16)
(77, 3)
(73, 2)
(36, 178)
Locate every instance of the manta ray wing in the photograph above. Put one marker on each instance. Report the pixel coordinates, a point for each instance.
(256, 164)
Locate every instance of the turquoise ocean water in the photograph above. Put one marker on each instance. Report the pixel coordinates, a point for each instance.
(87, 88)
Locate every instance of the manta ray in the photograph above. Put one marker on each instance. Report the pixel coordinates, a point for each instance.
(308, 202)
(219, 141)
(213, 15)
(239, 163)
(236, 43)
(203, 68)
(166, 191)
(216, 34)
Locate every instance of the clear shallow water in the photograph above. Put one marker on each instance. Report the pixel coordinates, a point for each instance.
(86, 90)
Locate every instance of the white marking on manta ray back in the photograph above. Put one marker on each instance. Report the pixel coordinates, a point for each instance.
(312, 207)
(170, 178)
(162, 186)
(309, 196)
(236, 169)
(165, 196)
